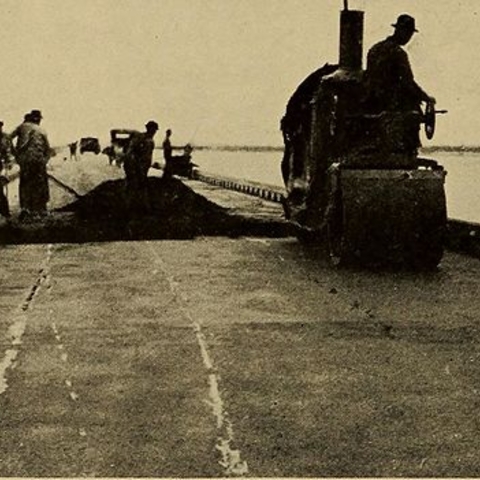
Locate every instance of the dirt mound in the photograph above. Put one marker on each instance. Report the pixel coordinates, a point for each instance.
(107, 213)
(174, 211)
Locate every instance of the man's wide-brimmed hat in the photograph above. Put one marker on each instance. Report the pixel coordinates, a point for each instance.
(405, 22)
(151, 125)
(36, 114)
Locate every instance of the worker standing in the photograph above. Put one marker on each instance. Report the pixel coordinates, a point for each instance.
(138, 160)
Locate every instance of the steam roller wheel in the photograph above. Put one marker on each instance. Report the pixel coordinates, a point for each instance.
(394, 218)
(428, 250)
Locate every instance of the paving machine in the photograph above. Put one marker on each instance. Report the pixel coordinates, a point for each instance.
(352, 177)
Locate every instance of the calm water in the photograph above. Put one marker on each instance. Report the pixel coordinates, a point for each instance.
(463, 192)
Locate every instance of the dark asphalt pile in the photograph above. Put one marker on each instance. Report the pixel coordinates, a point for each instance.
(175, 211)
(107, 214)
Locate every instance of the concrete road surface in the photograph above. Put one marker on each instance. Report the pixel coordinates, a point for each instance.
(234, 357)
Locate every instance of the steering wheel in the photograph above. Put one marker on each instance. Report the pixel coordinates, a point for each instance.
(430, 120)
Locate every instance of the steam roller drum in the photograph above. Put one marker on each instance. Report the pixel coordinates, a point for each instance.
(389, 217)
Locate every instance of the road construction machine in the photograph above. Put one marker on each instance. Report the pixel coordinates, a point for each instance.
(351, 180)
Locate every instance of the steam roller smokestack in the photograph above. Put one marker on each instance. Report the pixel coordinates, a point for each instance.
(351, 40)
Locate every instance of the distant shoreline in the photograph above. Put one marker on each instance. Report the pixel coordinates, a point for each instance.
(267, 148)
(239, 148)
(449, 148)
(262, 148)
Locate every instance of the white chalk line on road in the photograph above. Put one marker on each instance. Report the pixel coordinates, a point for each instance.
(63, 355)
(19, 324)
(230, 458)
(72, 394)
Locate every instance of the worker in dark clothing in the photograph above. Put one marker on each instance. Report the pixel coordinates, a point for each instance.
(167, 154)
(73, 150)
(390, 84)
(138, 160)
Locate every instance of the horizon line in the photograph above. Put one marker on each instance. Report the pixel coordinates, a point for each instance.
(279, 148)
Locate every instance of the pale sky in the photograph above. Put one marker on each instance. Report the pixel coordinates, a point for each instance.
(214, 71)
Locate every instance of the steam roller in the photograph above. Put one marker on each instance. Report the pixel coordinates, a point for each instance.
(351, 180)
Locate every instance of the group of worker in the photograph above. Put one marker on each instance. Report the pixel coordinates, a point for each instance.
(28, 146)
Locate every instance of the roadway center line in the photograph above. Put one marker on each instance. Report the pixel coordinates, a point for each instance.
(72, 394)
(17, 327)
(230, 458)
(61, 347)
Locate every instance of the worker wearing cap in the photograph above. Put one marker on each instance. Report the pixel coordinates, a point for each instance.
(389, 75)
(32, 151)
(389, 80)
(138, 160)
